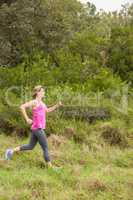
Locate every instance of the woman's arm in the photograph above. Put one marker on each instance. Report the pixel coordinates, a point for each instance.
(23, 110)
(52, 108)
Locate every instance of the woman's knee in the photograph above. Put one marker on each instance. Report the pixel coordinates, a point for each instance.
(31, 147)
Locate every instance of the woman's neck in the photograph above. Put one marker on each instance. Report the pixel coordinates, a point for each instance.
(39, 99)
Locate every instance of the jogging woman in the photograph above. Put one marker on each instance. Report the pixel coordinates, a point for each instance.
(38, 124)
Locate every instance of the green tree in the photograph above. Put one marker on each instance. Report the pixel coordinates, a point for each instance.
(121, 52)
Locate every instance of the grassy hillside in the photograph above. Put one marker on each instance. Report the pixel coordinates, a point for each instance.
(83, 58)
(93, 170)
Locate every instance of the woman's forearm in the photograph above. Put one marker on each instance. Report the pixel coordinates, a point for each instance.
(52, 108)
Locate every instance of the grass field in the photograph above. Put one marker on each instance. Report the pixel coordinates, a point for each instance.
(89, 172)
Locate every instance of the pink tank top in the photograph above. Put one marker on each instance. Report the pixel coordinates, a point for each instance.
(39, 116)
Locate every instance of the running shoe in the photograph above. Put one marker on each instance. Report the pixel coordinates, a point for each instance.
(8, 154)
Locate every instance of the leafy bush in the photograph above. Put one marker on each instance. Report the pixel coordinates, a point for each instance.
(105, 80)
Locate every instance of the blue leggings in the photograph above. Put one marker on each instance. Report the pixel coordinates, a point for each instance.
(37, 135)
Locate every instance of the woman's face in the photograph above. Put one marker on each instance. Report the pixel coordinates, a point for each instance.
(41, 93)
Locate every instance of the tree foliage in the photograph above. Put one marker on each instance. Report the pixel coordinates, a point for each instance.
(74, 39)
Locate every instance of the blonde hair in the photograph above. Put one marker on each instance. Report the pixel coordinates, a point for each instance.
(36, 89)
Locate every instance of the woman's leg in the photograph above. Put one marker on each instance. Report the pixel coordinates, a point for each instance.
(33, 140)
(43, 142)
(30, 146)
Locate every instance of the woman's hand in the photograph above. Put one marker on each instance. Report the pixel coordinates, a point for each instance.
(60, 103)
(29, 121)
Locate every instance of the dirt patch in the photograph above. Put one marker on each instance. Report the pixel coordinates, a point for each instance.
(56, 140)
(93, 184)
(130, 184)
(113, 135)
(83, 162)
(77, 170)
(69, 133)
